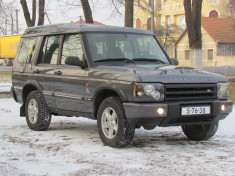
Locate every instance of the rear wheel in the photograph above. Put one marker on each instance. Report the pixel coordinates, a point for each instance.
(37, 116)
(200, 132)
(114, 129)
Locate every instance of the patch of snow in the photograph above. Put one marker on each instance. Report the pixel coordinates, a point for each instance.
(5, 85)
(72, 146)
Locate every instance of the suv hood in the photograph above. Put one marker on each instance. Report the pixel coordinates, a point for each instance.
(166, 74)
(173, 74)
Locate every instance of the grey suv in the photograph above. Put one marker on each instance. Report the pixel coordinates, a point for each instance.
(120, 77)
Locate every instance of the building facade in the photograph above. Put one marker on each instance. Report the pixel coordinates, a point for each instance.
(170, 18)
(218, 46)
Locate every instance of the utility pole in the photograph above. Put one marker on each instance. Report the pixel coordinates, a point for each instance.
(80, 19)
(6, 26)
(12, 24)
(152, 17)
(17, 23)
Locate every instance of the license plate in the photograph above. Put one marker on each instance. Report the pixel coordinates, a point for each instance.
(197, 110)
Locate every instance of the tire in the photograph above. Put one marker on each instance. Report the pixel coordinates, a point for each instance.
(114, 129)
(200, 132)
(37, 116)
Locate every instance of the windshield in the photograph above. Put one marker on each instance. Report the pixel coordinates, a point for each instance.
(106, 47)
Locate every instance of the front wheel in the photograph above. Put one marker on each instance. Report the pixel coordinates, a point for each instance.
(200, 132)
(114, 129)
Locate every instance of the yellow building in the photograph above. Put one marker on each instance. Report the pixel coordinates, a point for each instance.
(170, 17)
(218, 46)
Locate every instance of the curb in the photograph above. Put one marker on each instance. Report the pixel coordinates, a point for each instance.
(5, 92)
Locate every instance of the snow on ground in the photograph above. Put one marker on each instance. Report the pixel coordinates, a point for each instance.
(72, 146)
(5, 85)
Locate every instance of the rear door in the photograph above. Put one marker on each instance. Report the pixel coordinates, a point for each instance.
(45, 67)
(70, 80)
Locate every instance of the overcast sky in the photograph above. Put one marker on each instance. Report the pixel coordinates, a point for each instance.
(58, 12)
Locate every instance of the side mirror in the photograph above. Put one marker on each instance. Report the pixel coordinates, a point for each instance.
(175, 61)
(74, 60)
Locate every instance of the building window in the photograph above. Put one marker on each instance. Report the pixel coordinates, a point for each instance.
(210, 2)
(149, 24)
(150, 3)
(138, 23)
(226, 49)
(232, 3)
(170, 20)
(187, 54)
(213, 14)
(139, 3)
(210, 54)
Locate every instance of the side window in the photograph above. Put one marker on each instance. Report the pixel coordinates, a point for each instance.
(50, 50)
(72, 47)
(26, 50)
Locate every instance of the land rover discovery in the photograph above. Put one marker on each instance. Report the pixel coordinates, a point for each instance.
(121, 77)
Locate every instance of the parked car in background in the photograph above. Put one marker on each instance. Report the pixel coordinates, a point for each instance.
(8, 62)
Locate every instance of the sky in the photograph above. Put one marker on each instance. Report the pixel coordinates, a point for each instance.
(59, 12)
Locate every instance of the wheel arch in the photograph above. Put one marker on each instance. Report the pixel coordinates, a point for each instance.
(105, 92)
(28, 87)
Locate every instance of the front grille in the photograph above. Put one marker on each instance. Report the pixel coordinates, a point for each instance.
(178, 92)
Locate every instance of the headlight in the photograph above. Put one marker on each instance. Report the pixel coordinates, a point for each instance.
(222, 91)
(155, 91)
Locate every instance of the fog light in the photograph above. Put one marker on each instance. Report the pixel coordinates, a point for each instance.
(161, 111)
(140, 93)
(223, 108)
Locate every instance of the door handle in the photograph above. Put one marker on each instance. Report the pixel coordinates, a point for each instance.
(58, 73)
(36, 71)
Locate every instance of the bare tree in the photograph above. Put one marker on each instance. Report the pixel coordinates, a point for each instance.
(7, 17)
(29, 21)
(166, 33)
(193, 10)
(41, 8)
(129, 17)
(87, 11)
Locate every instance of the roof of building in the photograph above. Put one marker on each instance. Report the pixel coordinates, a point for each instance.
(79, 28)
(221, 30)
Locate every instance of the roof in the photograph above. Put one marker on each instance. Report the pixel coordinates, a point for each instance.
(221, 30)
(79, 28)
(83, 22)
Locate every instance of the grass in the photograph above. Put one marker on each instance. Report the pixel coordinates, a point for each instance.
(5, 74)
(232, 91)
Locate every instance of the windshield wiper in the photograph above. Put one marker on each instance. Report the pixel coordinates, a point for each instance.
(116, 59)
(149, 60)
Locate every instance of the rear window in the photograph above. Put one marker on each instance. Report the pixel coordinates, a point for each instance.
(26, 50)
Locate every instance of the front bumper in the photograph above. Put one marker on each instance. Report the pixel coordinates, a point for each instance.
(146, 113)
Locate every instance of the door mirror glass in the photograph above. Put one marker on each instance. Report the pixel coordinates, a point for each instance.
(175, 61)
(75, 61)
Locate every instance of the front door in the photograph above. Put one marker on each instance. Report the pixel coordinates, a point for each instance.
(70, 80)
